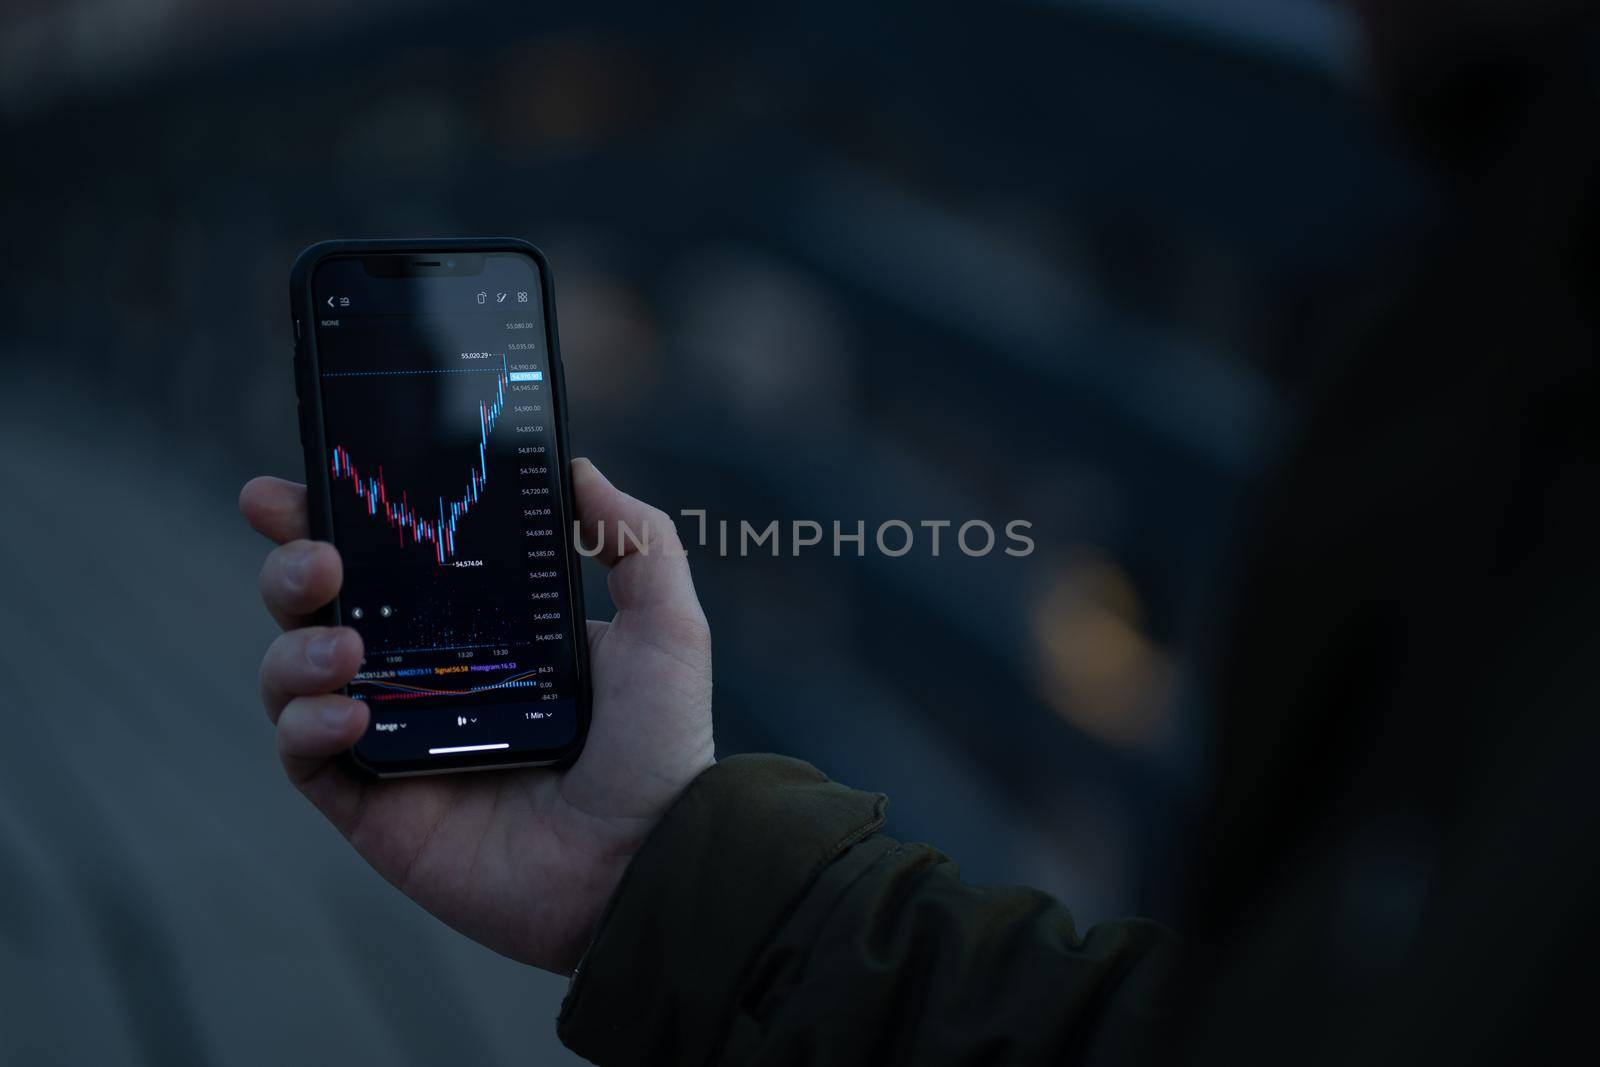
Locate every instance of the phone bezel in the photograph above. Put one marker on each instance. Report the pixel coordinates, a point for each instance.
(320, 501)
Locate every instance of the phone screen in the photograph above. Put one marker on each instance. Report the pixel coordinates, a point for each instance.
(442, 460)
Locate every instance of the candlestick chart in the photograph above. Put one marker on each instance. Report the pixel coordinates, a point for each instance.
(428, 525)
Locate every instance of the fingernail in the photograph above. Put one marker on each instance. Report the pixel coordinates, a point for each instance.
(296, 568)
(321, 650)
(337, 716)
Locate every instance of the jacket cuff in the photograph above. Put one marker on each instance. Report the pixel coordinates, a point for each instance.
(714, 882)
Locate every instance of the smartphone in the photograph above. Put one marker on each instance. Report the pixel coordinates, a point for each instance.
(433, 418)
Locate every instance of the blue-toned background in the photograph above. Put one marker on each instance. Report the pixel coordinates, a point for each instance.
(1053, 261)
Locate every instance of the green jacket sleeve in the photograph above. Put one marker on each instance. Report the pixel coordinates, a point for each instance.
(767, 920)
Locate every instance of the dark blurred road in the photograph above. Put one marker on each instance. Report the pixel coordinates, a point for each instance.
(166, 897)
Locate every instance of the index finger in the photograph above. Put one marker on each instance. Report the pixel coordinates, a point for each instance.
(276, 509)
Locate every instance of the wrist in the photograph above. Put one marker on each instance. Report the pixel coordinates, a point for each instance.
(615, 849)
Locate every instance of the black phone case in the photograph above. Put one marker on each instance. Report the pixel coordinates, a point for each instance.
(308, 392)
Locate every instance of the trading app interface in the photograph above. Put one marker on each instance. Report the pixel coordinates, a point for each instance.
(441, 453)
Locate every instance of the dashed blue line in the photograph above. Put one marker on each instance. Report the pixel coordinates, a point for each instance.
(393, 373)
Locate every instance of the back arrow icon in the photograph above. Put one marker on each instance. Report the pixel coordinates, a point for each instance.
(330, 301)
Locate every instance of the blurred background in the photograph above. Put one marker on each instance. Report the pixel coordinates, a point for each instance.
(1058, 261)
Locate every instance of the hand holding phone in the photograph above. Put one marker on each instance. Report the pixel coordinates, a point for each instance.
(524, 860)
